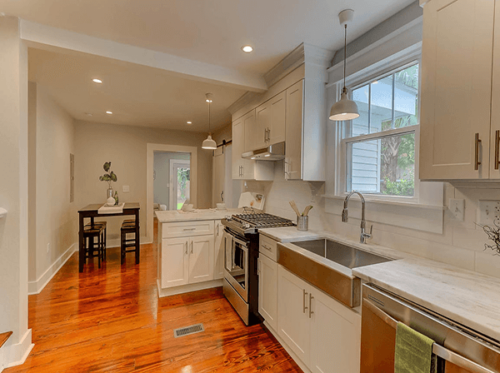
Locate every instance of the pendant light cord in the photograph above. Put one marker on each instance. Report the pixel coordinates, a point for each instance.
(345, 54)
(209, 118)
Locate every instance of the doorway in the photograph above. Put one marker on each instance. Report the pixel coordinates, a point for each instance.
(180, 183)
(171, 179)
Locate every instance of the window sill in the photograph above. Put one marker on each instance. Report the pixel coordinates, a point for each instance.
(392, 203)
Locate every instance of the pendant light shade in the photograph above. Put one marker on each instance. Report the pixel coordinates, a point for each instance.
(344, 109)
(209, 143)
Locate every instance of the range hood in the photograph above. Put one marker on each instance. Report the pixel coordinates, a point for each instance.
(274, 152)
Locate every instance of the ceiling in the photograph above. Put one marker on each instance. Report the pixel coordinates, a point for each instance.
(137, 95)
(211, 31)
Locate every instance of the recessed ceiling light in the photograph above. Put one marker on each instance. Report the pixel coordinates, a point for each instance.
(247, 48)
(189, 122)
(88, 114)
(97, 81)
(109, 112)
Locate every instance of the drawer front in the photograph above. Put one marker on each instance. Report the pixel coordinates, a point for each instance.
(268, 247)
(187, 229)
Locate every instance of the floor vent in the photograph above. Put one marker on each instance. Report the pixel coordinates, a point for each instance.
(181, 332)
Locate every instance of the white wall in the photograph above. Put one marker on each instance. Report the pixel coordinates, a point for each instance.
(14, 192)
(53, 233)
(162, 175)
(126, 148)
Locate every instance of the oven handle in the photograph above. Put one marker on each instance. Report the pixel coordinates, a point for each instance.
(438, 350)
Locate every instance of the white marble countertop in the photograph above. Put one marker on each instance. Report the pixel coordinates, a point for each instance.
(197, 215)
(466, 297)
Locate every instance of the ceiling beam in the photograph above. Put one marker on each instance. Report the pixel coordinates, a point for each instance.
(45, 37)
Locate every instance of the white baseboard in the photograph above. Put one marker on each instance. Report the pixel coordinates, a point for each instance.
(187, 288)
(35, 287)
(292, 354)
(16, 354)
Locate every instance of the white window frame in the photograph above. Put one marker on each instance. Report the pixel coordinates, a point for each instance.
(358, 80)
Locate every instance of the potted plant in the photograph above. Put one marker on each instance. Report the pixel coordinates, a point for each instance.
(109, 177)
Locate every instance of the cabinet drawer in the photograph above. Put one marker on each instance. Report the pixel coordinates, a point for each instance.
(188, 229)
(268, 247)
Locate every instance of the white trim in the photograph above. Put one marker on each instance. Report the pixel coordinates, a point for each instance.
(187, 288)
(16, 354)
(35, 287)
(171, 194)
(407, 204)
(151, 149)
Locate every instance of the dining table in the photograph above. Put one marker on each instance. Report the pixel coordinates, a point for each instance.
(91, 212)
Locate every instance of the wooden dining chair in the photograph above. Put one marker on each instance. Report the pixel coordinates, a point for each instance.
(104, 236)
(128, 228)
(90, 234)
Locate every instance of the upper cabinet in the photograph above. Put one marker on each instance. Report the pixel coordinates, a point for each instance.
(458, 129)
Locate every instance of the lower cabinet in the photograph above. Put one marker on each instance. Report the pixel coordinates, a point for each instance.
(324, 334)
(187, 260)
(268, 290)
(219, 250)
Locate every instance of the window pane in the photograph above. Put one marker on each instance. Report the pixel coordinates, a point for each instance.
(359, 126)
(406, 97)
(382, 166)
(381, 105)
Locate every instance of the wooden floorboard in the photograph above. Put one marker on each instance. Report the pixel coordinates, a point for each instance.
(111, 320)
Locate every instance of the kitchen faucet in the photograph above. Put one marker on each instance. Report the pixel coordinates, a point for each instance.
(345, 216)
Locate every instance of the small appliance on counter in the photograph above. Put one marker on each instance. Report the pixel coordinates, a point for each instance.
(241, 251)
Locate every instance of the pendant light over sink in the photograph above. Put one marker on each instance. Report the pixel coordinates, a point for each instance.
(345, 109)
(209, 143)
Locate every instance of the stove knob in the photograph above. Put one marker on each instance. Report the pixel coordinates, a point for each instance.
(229, 218)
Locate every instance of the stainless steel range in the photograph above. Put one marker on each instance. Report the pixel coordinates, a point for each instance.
(241, 252)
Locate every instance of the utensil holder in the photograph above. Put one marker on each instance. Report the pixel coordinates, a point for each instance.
(302, 223)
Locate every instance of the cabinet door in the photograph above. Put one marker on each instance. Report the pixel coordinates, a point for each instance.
(456, 89)
(268, 290)
(294, 121)
(277, 124)
(201, 259)
(495, 99)
(219, 250)
(254, 130)
(238, 148)
(335, 336)
(174, 262)
(293, 316)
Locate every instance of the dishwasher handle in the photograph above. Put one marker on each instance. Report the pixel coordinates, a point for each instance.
(438, 350)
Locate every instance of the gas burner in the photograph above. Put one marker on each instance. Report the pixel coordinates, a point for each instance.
(262, 220)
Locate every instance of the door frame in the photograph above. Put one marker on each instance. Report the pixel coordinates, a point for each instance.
(151, 149)
(171, 194)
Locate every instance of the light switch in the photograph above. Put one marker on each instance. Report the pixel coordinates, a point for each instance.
(126, 189)
(457, 207)
(488, 212)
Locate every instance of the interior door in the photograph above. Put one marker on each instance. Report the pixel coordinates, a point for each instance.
(456, 89)
(201, 256)
(218, 176)
(268, 290)
(174, 258)
(293, 316)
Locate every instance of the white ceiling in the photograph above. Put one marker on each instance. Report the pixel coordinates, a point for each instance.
(137, 95)
(211, 31)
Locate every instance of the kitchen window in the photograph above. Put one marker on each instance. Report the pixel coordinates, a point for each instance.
(378, 149)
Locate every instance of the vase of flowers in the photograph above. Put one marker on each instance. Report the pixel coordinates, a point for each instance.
(108, 177)
(493, 233)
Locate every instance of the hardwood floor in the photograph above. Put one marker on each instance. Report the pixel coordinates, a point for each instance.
(111, 320)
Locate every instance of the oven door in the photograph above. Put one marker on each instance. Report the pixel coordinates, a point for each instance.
(236, 264)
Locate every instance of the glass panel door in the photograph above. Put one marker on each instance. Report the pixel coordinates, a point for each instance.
(180, 184)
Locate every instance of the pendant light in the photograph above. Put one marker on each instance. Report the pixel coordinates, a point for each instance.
(345, 109)
(209, 143)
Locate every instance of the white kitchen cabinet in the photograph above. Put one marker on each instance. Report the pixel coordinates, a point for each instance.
(268, 291)
(174, 262)
(456, 89)
(295, 118)
(201, 259)
(495, 107)
(324, 334)
(219, 250)
(238, 148)
(277, 125)
(335, 336)
(293, 316)
(254, 134)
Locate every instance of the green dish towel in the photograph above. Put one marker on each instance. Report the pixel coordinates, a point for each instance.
(413, 352)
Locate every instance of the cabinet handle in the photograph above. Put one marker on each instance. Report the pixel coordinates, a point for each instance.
(218, 229)
(265, 134)
(310, 306)
(476, 152)
(187, 244)
(222, 196)
(269, 134)
(497, 150)
(189, 229)
(192, 247)
(304, 294)
(266, 247)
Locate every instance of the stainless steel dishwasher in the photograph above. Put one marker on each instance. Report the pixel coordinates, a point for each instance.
(459, 349)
